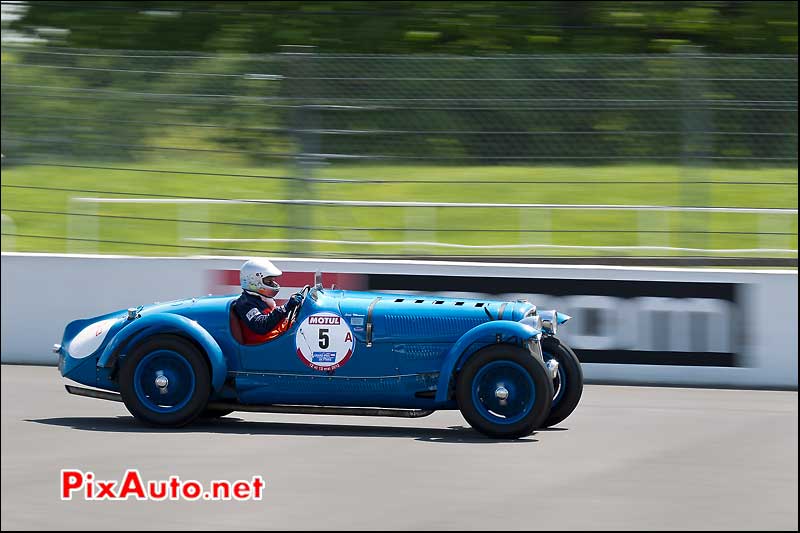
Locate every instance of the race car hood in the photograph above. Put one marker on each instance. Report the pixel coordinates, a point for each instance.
(421, 318)
(193, 308)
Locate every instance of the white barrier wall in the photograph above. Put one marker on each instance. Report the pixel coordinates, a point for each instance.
(41, 293)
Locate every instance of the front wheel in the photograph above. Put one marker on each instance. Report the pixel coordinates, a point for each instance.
(504, 392)
(568, 382)
(164, 381)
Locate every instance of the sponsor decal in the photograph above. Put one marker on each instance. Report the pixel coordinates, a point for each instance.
(253, 313)
(323, 357)
(324, 342)
(324, 320)
(615, 321)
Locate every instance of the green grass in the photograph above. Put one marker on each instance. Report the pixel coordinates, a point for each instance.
(172, 236)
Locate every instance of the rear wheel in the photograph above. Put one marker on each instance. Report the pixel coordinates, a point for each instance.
(504, 392)
(164, 381)
(568, 383)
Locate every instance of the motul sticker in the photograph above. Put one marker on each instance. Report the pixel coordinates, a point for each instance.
(324, 342)
(324, 319)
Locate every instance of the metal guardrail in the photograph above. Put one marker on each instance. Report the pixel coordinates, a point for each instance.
(369, 203)
(434, 244)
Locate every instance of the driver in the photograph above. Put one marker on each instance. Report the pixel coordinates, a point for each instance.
(255, 306)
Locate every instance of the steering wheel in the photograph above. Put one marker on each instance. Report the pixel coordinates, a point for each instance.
(296, 311)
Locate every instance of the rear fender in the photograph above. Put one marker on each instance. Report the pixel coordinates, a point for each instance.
(154, 324)
(494, 332)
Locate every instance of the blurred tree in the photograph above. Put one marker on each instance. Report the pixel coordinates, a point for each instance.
(475, 27)
(79, 101)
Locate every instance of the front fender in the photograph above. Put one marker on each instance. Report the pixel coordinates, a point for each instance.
(167, 323)
(496, 331)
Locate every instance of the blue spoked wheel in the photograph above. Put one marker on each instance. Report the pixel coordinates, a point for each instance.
(164, 381)
(504, 392)
(568, 383)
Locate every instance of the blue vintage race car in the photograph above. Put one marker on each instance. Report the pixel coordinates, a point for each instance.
(344, 352)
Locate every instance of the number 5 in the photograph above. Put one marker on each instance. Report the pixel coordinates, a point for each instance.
(324, 340)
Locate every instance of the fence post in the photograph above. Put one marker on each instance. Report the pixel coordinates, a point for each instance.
(302, 121)
(535, 219)
(650, 224)
(193, 224)
(83, 228)
(696, 123)
(417, 221)
(9, 234)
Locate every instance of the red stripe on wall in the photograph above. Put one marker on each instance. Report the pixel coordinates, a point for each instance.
(353, 282)
(227, 278)
(296, 279)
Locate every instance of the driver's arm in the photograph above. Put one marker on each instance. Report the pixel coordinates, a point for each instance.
(260, 323)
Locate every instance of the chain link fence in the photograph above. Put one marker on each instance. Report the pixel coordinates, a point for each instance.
(685, 155)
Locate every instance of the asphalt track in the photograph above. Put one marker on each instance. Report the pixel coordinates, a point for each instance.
(629, 458)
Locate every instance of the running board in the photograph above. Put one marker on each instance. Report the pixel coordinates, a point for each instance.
(289, 409)
(320, 410)
(94, 393)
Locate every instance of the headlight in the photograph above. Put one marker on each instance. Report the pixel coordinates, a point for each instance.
(550, 321)
(534, 321)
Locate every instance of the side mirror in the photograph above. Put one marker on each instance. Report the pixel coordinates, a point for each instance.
(318, 279)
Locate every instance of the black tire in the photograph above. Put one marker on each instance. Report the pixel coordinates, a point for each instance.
(542, 397)
(193, 365)
(210, 414)
(572, 376)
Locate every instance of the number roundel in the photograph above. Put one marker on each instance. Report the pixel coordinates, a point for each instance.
(324, 341)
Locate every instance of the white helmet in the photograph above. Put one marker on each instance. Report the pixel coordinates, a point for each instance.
(256, 276)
